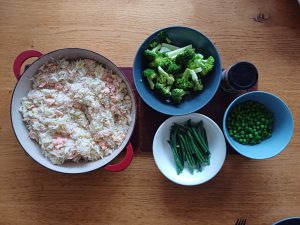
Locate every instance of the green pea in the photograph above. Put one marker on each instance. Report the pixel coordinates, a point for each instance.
(250, 122)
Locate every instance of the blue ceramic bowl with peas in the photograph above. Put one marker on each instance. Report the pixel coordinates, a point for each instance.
(258, 125)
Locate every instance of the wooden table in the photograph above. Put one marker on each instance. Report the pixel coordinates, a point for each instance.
(264, 32)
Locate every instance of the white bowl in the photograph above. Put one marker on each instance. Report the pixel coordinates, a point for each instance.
(164, 159)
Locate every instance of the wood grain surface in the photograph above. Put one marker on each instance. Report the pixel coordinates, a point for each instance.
(265, 32)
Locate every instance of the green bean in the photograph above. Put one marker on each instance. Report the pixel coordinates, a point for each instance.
(195, 149)
(189, 144)
(189, 158)
(205, 136)
(177, 162)
(199, 139)
(174, 134)
(201, 131)
(188, 150)
(200, 127)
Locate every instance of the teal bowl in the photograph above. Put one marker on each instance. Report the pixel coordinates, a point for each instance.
(282, 128)
(288, 221)
(181, 36)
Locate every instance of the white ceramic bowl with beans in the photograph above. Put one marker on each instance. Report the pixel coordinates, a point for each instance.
(164, 159)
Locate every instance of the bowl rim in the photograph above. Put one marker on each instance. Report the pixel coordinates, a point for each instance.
(198, 115)
(242, 96)
(134, 112)
(173, 112)
(286, 219)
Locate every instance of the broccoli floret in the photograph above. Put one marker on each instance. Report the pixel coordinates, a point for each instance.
(160, 61)
(198, 70)
(162, 90)
(174, 69)
(173, 54)
(154, 52)
(157, 59)
(208, 65)
(200, 65)
(153, 44)
(198, 56)
(151, 55)
(163, 37)
(184, 57)
(195, 62)
(189, 80)
(185, 81)
(164, 78)
(177, 94)
(197, 83)
(150, 76)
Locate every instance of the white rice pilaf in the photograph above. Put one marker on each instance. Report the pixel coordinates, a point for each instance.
(77, 110)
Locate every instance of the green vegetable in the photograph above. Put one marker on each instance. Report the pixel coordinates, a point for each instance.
(249, 123)
(188, 81)
(208, 65)
(184, 82)
(150, 75)
(164, 78)
(173, 68)
(164, 49)
(201, 65)
(200, 140)
(163, 91)
(177, 95)
(163, 37)
(168, 46)
(153, 44)
(197, 84)
(195, 62)
(185, 141)
(176, 154)
(176, 52)
(184, 57)
(157, 59)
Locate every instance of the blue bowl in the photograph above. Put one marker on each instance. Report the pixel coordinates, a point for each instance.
(282, 128)
(289, 221)
(181, 36)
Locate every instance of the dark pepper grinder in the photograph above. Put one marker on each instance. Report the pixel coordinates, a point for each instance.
(239, 77)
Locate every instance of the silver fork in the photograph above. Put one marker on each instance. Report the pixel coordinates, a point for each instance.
(241, 222)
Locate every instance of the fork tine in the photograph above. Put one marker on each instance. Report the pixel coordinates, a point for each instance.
(238, 222)
(241, 222)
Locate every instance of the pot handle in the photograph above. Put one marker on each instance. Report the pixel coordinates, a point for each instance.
(120, 166)
(21, 58)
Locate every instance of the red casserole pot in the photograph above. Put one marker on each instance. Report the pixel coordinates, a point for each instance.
(24, 85)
